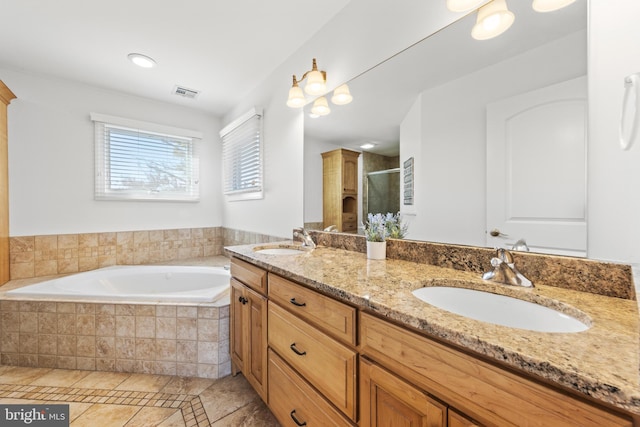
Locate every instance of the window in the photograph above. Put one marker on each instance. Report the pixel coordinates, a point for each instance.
(242, 157)
(144, 161)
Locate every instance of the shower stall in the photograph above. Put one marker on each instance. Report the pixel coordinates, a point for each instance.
(382, 191)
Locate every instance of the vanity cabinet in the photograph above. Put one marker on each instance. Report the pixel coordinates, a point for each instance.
(248, 324)
(340, 189)
(304, 333)
(479, 390)
(5, 98)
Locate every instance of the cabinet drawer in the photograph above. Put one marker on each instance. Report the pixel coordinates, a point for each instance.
(349, 217)
(250, 275)
(291, 399)
(489, 394)
(321, 360)
(331, 316)
(349, 227)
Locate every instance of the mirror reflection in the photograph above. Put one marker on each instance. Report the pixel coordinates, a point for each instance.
(495, 130)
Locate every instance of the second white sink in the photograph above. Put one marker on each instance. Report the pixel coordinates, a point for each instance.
(499, 309)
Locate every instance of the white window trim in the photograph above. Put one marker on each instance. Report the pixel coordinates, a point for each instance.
(101, 121)
(252, 194)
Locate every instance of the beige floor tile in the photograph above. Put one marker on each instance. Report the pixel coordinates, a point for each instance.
(20, 375)
(226, 396)
(187, 385)
(77, 408)
(144, 382)
(106, 415)
(60, 378)
(176, 420)
(151, 416)
(102, 380)
(255, 413)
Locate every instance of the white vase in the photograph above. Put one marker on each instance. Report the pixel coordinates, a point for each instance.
(376, 250)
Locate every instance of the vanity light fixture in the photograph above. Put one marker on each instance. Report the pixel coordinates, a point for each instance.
(141, 60)
(320, 107)
(316, 85)
(550, 5)
(493, 19)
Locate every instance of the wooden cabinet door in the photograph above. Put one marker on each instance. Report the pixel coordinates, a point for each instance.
(237, 338)
(350, 174)
(248, 336)
(388, 401)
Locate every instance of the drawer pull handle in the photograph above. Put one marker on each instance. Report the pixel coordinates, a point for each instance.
(296, 351)
(295, 420)
(296, 303)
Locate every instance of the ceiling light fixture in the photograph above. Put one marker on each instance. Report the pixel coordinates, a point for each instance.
(141, 60)
(493, 19)
(550, 5)
(367, 145)
(316, 85)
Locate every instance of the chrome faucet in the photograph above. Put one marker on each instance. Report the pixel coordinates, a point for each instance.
(305, 236)
(504, 271)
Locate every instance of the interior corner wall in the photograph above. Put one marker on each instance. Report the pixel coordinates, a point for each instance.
(613, 174)
(313, 150)
(51, 160)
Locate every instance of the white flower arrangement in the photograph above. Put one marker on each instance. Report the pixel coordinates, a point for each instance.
(379, 227)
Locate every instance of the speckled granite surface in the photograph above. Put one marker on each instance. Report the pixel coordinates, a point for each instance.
(602, 362)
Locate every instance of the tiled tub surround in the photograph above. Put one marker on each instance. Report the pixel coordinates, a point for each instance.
(184, 340)
(37, 256)
(170, 339)
(601, 363)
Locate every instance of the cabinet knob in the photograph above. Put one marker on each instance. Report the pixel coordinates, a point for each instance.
(295, 419)
(243, 300)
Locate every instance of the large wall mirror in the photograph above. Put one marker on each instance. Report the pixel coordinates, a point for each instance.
(496, 131)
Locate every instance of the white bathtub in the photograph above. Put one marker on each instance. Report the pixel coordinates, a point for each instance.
(146, 283)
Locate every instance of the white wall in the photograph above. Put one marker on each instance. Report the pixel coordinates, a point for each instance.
(51, 160)
(313, 150)
(450, 189)
(614, 175)
(363, 34)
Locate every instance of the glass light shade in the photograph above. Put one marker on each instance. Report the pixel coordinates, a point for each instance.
(493, 19)
(550, 5)
(462, 5)
(315, 83)
(296, 97)
(321, 107)
(141, 60)
(341, 95)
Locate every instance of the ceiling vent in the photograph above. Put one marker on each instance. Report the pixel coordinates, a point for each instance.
(185, 92)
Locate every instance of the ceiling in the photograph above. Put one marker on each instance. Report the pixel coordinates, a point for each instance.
(383, 95)
(224, 49)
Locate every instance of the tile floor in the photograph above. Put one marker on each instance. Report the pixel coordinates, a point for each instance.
(113, 399)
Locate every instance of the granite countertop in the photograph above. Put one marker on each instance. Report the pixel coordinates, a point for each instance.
(602, 362)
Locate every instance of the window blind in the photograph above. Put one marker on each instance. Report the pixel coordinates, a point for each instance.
(144, 165)
(242, 156)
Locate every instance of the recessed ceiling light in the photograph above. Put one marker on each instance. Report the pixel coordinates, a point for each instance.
(141, 60)
(367, 146)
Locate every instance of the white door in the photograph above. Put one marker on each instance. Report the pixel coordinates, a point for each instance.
(536, 169)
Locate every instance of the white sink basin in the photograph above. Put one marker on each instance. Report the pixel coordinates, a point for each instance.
(280, 250)
(499, 309)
